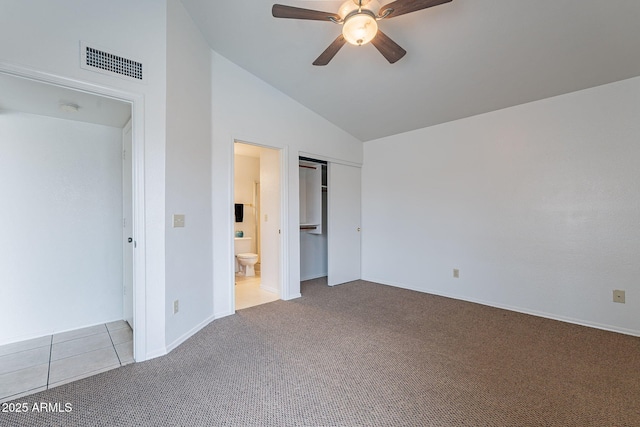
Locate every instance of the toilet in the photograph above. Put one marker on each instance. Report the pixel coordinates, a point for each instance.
(245, 260)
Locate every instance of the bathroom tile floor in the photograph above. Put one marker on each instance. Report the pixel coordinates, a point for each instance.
(27, 367)
(249, 293)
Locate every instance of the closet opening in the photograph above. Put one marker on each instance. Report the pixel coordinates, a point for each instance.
(330, 245)
(313, 218)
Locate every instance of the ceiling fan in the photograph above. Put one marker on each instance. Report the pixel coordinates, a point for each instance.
(359, 24)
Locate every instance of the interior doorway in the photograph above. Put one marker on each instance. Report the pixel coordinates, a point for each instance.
(313, 218)
(257, 225)
(69, 189)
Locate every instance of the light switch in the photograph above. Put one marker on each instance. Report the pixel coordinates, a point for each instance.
(178, 220)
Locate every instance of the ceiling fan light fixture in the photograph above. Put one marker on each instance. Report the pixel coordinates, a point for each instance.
(360, 28)
(359, 24)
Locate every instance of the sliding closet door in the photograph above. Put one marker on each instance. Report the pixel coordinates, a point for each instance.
(343, 223)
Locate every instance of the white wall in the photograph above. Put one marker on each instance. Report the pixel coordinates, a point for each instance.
(61, 239)
(188, 177)
(537, 205)
(243, 108)
(247, 109)
(45, 36)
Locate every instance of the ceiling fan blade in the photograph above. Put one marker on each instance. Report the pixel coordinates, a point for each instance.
(331, 51)
(387, 47)
(400, 7)
(282, 11)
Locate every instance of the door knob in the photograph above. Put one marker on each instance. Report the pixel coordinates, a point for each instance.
(358, 228)
(130, 239)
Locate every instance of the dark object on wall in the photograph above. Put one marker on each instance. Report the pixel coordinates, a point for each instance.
(239, 212)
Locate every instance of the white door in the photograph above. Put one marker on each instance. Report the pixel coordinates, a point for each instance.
(127, 223)
(270, 220)
(343, 223)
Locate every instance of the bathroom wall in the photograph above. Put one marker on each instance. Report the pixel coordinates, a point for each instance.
(246, 174)
(61, 239)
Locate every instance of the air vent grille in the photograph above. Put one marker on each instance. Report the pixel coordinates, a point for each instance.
(109, 63)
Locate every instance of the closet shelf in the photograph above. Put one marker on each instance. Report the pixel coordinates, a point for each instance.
(310, 198)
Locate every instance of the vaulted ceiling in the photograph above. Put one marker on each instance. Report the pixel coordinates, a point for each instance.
(464, 58)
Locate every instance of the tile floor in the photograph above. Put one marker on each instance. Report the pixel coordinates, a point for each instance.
(249, 293)
(31, 366)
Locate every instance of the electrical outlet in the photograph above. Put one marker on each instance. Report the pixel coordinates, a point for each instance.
(618, 296)
(178, 220)
(456, 273)
(176, 306)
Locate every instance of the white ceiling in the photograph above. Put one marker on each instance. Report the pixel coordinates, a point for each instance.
(464, 58)
(29, 96)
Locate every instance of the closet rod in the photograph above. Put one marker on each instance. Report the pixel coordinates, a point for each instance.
(308, 227)
(308, 167)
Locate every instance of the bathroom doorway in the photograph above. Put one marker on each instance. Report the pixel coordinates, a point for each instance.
(257, 231)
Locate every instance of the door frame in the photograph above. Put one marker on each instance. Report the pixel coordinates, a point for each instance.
(128, 247)
(137, 119)
(283, 262)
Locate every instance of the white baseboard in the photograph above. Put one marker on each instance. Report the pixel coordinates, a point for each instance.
(223, 314)
(316, 276)
(294, 296)
(269, 289)
(581, 322)
(189, 333)
(154, 353)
